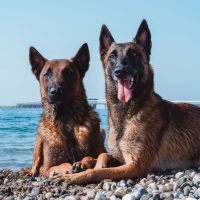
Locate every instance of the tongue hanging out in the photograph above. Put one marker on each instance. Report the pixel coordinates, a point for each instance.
(124, 90)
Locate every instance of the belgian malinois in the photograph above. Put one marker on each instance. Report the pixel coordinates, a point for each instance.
(145, 132)
(69, 136)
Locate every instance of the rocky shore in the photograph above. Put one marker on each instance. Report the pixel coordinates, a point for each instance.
(172, 185)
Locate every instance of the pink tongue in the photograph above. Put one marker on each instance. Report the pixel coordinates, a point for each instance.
(124, 91)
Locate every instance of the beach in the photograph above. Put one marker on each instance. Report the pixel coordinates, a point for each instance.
(171, 185)
(17, 131)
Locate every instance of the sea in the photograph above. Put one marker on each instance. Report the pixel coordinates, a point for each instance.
(18, 128)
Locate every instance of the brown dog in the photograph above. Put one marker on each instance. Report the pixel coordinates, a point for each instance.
(69, 128)
(145, 132)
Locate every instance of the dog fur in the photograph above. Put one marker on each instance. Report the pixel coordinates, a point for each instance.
(146, 132)
(69, 137)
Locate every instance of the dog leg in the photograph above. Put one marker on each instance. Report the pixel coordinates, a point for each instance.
(86, 163)
(63, 168)
(106, 160)
(37, 158)
(93, 175)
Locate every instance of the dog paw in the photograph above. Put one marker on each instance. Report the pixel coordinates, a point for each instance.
(78, 167)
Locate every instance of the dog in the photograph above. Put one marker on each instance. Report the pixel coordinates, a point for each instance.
(69, 137)
(146, 132)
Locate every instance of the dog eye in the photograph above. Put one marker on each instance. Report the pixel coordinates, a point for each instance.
(48, 74)
(112, 56)
(67, 71)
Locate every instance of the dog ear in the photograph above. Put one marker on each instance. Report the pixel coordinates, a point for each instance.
(105, 39)
(37, 61)
(82, 59)
(143, 38)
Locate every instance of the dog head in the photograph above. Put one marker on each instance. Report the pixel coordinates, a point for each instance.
(126, 65)
(60, 79)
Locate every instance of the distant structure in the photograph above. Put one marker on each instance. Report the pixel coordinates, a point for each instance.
(95, 103)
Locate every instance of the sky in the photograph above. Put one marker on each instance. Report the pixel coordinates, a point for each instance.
(58, 28)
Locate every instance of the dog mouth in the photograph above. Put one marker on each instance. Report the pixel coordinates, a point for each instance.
(55, 100)
(125, 88)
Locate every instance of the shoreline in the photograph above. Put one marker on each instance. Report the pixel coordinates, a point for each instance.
(182, 184)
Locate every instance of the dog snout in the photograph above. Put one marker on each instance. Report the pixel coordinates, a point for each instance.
(120, 72)
(56, 90)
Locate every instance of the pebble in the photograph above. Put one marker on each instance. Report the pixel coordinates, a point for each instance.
(120, 192)
(166, 195)
(186, 190)
(145, 197)
(196, 180)
(153, 186)
(100, 196)
(91, 194)
(179, 175)
(129, 197)
(181, 185)
(106, 186)
(6, 180)
(70, 198)
(10, 198)
(178, 183)
(35, 191)
(48, 195)
(139, 192)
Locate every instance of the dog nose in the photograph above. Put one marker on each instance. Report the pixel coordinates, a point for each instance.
(119, 72)
(56, 90)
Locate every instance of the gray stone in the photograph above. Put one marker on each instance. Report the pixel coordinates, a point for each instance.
(166, 195)
(156, 196)
(35, 183)
(35, 191)
(186, 190)
(113, 186)
(70, 198)
(179, 175)
(165, 188)
(139, 192)
(145, 197)
(91, 194)
(120, 192)
(153, 186)
(129, 197)
(178, 183)
(106, 186)
(10, 198)
(130, 182)
(188, 183)
(48, 195)
(100, 196)
(28, 198)
(6, 180)
(122, 183)
(176, 194)
(196, 180)
(113, 197)
(197, 193)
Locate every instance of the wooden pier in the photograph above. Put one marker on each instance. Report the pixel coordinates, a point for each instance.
(95, 103)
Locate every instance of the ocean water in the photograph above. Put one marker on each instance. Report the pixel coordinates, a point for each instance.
(18, 128)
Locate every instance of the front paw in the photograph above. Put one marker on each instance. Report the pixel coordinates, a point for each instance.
(78, 167)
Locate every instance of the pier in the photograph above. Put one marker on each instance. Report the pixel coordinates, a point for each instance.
(95, 103)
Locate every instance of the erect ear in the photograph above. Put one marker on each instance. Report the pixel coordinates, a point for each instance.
(82, 59)
(37, 61)
(105, 39)
(143, 38)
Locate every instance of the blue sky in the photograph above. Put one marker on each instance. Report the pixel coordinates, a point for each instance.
(58, 28)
